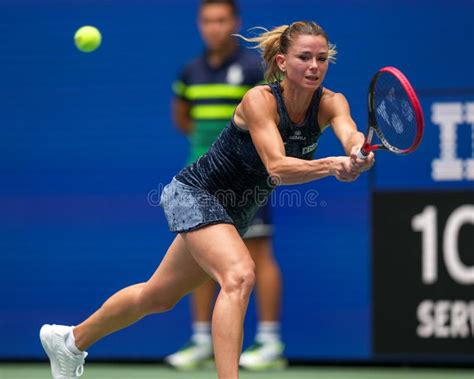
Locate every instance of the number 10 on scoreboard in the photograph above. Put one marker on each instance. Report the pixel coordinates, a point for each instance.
(426, 222)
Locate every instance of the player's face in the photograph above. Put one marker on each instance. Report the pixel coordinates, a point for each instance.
(216, 24)
(306, 61)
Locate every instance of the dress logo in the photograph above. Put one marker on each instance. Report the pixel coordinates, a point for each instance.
(297, 136)
(310, 148)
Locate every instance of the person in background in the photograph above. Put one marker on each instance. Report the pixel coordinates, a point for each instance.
(206, 95)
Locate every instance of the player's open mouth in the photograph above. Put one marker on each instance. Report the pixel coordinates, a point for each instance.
(312, 78)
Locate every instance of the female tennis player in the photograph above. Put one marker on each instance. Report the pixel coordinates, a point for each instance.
(270, 141)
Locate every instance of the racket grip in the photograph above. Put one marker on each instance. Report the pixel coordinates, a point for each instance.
(361, 155)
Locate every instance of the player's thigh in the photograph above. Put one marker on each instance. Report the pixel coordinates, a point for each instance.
(220, 251)
(177, 274)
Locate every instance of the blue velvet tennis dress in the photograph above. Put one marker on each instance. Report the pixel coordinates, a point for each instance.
(229, 182)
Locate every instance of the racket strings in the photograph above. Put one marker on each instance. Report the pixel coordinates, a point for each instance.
(395, 116)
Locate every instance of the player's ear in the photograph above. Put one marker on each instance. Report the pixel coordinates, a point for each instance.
(281, 62)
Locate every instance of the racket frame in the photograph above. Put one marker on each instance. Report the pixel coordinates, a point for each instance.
(373, 128)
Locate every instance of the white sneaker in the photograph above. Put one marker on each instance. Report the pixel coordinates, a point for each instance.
(192, 355)
(263, 356)
(64, 363)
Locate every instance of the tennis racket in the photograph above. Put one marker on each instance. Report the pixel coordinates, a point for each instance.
(395, 114)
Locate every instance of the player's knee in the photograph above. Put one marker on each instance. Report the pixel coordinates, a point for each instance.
(249, 281)
(158, 305)
(155, 302)
(240, 280)
(162, 306)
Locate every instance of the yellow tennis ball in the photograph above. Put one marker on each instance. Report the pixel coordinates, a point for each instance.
(87, 38)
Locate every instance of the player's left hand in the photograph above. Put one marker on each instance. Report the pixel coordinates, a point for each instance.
(359, 164)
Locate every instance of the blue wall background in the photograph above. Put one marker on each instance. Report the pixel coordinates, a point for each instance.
(87, 141)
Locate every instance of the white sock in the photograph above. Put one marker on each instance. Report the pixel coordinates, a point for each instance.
(71, 343)
(202, 332)
(268, 331)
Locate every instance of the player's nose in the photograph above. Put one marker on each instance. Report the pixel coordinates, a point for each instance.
(314, 64)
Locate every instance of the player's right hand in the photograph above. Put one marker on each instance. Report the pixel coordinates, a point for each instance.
(344, 170)
(362, 164)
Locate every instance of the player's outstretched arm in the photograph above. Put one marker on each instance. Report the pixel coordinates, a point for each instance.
(339, 117)
(257, 113)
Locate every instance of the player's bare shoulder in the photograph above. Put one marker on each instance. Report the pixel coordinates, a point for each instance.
(332, 99)
(258, 103)
(260, 95)
(331, 104)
